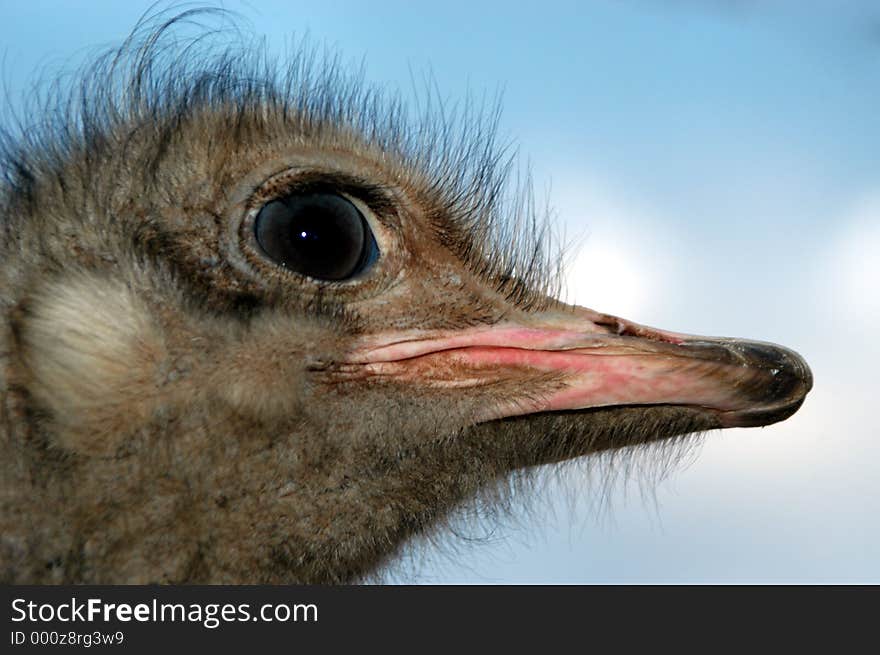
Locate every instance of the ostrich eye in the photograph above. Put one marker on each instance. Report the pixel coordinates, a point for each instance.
(321, 235)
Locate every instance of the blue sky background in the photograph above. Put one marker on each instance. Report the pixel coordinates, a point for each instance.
(720, 164)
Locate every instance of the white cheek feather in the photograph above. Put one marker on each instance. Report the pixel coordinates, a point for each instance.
(91, 348)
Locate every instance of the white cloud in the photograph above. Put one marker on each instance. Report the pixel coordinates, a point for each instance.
(855, 263)
(623, 260)
(606, 276)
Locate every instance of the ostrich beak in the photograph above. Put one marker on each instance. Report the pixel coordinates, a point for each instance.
(587, 359)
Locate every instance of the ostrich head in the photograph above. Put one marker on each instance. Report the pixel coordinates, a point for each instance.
(261, 327)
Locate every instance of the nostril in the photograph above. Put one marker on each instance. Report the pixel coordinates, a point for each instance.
(623, 328)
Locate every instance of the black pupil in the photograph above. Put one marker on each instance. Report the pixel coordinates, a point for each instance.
(322, 235)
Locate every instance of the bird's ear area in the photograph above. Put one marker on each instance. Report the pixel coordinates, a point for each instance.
(579, 359)
(102, 359)
(92, 356)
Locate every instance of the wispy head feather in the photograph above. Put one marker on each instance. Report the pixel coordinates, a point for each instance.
(177, 68)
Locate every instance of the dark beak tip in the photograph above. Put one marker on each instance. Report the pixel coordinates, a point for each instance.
(784, 379)
(790, 376)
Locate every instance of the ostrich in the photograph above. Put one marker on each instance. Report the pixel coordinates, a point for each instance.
(264, 327)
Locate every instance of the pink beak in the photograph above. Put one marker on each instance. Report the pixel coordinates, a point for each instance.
(598, 360)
